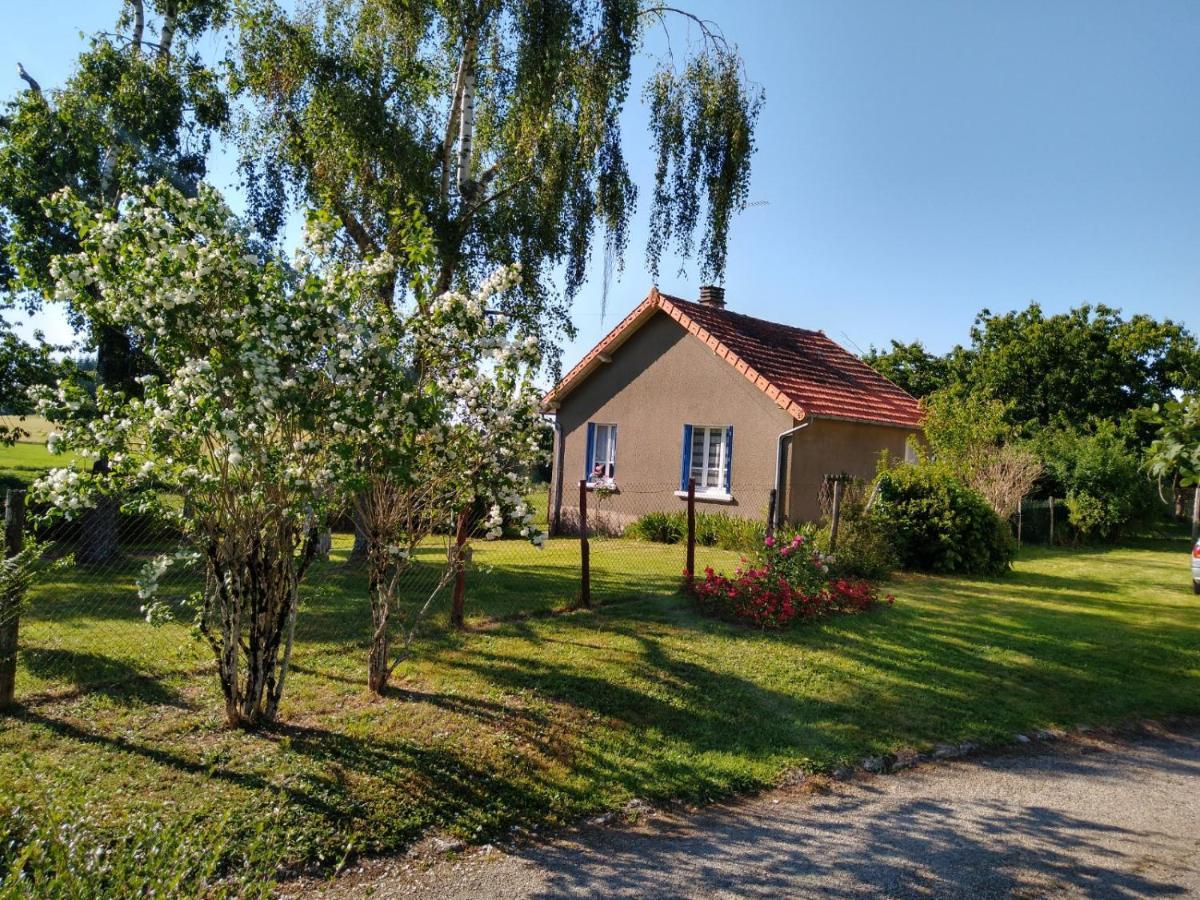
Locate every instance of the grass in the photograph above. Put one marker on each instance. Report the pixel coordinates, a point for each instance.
(22, 462)
(524, 722)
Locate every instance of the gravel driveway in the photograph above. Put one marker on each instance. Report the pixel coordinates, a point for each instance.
(1090, 817)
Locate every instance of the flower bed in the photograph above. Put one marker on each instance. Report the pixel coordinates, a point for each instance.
(784, 581)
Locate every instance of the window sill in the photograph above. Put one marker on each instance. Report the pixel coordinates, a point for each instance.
(603, 486)
(708, 496)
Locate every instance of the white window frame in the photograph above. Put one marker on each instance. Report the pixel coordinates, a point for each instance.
(719, 433)
(610, 464)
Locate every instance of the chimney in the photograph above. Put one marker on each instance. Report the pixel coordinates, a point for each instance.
(711, 295)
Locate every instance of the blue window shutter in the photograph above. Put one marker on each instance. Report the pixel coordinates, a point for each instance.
(728, 459)
(685, 466)
(591, 448)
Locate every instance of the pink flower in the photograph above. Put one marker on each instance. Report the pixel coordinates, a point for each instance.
(770, 541)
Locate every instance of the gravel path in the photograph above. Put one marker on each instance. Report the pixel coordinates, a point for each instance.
(1091, 817)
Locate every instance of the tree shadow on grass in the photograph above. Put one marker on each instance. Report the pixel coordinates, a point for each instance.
(116, 678)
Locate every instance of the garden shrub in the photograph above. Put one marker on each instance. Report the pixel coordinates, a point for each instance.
(712, 530)
(660, 527)
(938, 524)
(784, 581)
(1098, 473)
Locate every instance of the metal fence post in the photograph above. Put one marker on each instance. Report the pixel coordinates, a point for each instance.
(14, 540)
(691, 532)
(585, 583)
(1051, 538)
(771, 501)
(1195, 513)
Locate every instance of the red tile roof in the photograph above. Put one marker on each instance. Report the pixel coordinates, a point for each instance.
(803, 371)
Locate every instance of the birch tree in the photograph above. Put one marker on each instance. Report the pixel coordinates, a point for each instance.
(502, 121)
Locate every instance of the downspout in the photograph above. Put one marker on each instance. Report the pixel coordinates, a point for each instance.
(783, 436)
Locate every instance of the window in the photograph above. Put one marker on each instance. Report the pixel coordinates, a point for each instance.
(708, 458)
(601, 459)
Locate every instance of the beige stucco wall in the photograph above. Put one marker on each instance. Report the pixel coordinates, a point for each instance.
(830, 447)
(660, 379)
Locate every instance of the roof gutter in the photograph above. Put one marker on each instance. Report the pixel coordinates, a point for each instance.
(783, 436)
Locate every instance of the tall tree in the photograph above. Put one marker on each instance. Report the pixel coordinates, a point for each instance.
(911, 366)
(500, 121)
(141, 106)
(1088, 363)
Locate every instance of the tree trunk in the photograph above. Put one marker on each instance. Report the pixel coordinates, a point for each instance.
(358, 553)
(377, 656)
(116, 369)
(98, 543)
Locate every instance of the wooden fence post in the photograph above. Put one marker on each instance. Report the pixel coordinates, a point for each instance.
(1051, 539)
(771, 501)
(14, 540)
(458, 600)
(835, 514)
(585, 566)
(691, 532)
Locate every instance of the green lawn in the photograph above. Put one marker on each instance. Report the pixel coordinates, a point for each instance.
(525, 721)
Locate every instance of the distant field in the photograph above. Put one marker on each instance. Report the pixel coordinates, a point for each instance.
(27, 459)
(37, 427)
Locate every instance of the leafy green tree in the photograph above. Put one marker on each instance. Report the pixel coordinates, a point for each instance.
(500, 121)
(912, 367)
(141, 106)
(1175, 449)
(970, 434)
(1086, 364)
(1097, 470)
(1174, 453)
(22, 366)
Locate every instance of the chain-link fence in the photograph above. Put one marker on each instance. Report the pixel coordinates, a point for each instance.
(84, 623)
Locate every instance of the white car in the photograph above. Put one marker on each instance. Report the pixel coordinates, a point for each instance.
(1196, 568)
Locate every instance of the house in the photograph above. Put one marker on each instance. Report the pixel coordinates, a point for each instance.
(683, 389)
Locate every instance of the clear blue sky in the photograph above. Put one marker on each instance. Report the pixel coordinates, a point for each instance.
(920, 160)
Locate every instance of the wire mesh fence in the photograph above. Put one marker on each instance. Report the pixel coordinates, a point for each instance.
(85, 623)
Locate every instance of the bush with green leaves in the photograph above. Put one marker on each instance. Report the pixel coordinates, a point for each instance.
(1098, 473)
(712, 530)
(938, 524)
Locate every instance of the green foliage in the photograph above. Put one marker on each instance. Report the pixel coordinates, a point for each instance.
(702, 120)
(1175, 451)
(938, 524)
(912, 367)
(1088, 363)
(501, 121)
(23, 365)
(1097, 472)
(712, 530)
(660, 527)
(961, 427)
(140, 106)
(865, 548)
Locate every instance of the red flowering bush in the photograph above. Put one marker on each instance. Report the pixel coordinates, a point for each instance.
(784, 581)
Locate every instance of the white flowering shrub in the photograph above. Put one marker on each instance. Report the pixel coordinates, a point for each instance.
(258, 362)
(471, 406)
